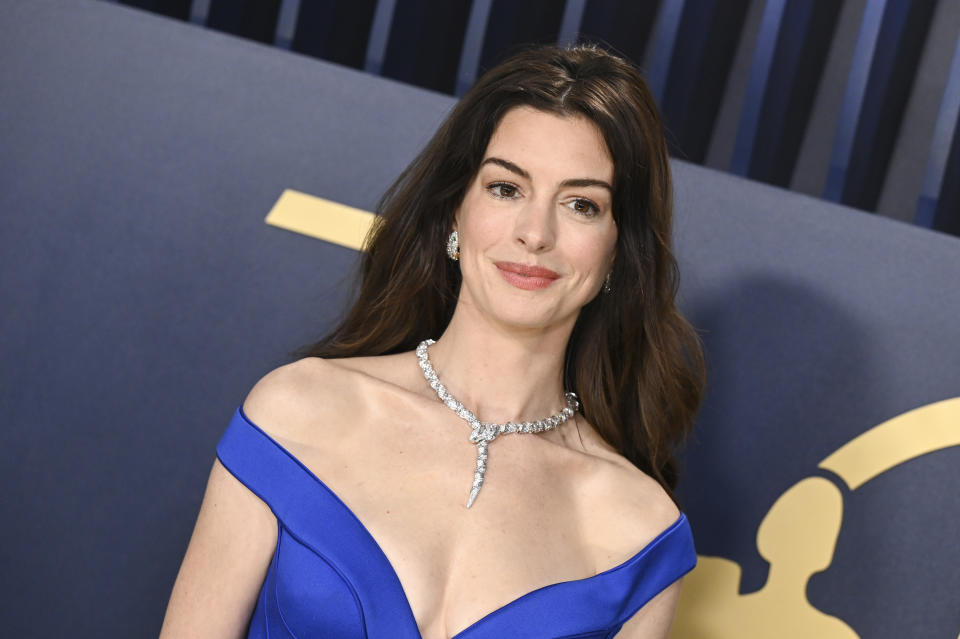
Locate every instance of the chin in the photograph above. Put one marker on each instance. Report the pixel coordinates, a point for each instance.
(514, 307)
(525, 315)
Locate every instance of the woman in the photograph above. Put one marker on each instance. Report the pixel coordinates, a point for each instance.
(530, 238)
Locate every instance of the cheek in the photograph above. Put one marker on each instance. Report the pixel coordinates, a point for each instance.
(593, 253)
(479, 229)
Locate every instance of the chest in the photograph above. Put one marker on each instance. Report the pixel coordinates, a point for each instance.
(456, 565)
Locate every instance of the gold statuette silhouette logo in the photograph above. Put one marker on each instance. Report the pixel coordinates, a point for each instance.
(798, 537)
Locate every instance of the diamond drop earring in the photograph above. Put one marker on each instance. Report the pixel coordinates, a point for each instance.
(453, 246)
(606, 283)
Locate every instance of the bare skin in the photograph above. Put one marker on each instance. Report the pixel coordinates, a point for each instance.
(555, 506)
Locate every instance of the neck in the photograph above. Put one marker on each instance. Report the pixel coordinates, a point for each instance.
(502, 373)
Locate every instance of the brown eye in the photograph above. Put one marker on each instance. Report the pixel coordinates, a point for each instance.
(585, 207)
(503, 190)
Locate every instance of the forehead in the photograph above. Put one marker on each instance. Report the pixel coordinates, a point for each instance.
(561, 146)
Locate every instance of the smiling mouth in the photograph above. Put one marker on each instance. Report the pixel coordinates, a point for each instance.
(526, 276)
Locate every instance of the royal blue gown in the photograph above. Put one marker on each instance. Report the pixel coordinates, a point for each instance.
(330, 579)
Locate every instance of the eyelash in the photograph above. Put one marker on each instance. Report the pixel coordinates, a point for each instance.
(594, 209)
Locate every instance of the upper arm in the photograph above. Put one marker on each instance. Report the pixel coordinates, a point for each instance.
(235, 535)
(225, 563)
(653, 620)
(643, 511)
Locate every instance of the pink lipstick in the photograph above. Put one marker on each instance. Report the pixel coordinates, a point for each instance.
(526, 276)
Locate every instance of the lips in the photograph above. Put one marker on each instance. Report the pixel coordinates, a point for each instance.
(527, 276)
(527, 270)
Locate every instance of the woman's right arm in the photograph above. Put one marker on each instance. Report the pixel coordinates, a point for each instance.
(225, 564)
(236, 532)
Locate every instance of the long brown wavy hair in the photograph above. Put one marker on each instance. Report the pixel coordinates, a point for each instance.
(635, 362)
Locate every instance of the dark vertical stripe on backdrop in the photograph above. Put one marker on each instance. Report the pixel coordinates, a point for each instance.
(253, 19)
(881, 76)
(334, 31)
(472, 45)
(709, 32)
(788, 62)
(665, 35)
(947, 218)
(179, 9)
(939, 202)
(624, 26)
(425, 42)
(512, 24)
(379, 35)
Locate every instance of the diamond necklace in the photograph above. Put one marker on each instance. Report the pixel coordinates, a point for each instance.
(484, 432)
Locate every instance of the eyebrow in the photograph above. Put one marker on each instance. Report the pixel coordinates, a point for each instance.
(513, 168)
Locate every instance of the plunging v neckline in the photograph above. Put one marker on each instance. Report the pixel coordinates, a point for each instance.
(462, 634)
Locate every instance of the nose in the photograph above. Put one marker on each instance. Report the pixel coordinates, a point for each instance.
(534, 226)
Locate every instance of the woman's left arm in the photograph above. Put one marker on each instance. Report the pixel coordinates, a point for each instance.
(653, 620)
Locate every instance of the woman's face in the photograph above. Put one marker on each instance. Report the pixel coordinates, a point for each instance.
(536, 229)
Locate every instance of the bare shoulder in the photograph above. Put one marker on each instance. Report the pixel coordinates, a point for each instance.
(314, 397)
(630, 507)
(292, 399)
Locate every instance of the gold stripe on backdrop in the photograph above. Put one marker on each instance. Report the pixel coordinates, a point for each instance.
(320, 218)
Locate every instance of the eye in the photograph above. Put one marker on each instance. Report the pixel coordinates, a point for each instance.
(502, 190)
(585, 207)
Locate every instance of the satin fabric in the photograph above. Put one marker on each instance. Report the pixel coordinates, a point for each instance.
(329, 578)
